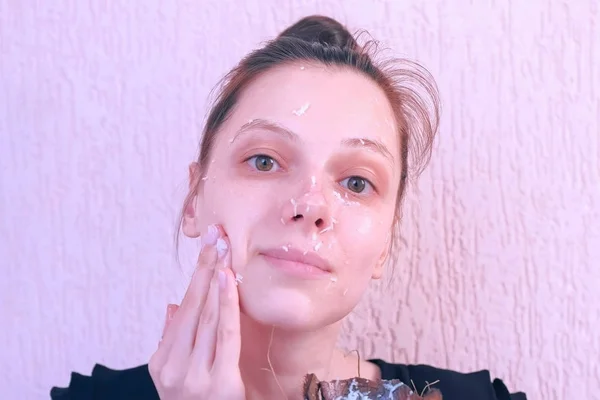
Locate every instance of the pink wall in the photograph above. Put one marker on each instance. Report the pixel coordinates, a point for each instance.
(100, 108)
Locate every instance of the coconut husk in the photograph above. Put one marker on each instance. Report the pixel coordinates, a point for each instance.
(363, 389)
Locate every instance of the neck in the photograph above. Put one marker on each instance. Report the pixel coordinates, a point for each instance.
(274, 361)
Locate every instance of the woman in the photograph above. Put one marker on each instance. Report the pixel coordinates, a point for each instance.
(296, 199)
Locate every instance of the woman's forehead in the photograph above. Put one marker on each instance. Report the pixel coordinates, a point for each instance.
(317, 100)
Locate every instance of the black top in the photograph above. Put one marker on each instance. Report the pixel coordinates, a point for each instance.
(135, 383)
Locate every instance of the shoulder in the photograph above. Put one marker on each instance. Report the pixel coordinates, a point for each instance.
(105, 383)
(453, 385)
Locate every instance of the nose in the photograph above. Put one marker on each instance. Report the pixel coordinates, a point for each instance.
(310, 211)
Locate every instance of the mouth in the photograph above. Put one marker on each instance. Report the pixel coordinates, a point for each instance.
(303, 263)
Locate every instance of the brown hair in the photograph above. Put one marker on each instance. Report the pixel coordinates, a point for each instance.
(410, 89)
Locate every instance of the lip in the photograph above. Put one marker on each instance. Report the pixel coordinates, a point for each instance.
(306, 263)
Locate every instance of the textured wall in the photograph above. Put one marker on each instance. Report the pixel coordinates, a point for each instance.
(100, 108)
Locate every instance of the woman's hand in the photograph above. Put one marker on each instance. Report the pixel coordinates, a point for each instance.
(198, 357)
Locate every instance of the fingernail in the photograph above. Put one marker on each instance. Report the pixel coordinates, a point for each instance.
(222, 248)
(222, 279)
(210, 237)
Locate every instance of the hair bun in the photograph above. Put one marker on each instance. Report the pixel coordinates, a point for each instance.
(320, 29)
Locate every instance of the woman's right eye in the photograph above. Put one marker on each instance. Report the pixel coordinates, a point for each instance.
(263, 163)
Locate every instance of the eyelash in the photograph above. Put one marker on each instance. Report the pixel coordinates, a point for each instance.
(369, 184)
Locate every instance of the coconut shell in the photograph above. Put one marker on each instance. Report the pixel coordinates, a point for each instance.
(362, 389)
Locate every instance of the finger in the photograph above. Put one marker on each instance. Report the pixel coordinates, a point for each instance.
(195, 295)
(228, 346)
(206, 260)
(182, 326)
(157, 360)
(204, 346)
(179, 337)
(186, 319)
(213, 245)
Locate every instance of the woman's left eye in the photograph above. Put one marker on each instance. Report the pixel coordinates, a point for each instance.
(357, 184)
(263, 163)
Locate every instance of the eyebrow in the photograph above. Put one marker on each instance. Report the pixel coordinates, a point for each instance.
(265, 125)
(273, 127)
(373, 145)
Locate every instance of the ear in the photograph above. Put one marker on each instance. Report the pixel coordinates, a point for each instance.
(380, 265)
(378, 270)
(191, 217)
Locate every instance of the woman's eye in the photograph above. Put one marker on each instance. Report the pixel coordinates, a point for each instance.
(356, 184)
(262, 163)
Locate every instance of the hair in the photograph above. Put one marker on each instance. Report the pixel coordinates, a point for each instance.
(409, 88)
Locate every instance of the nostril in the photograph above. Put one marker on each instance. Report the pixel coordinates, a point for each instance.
(319, 223)
(297, 217)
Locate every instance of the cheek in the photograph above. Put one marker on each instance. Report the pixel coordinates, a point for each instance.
(362, 236)
(238, 209)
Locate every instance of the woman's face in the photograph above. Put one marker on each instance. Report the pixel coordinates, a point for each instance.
(305, 168)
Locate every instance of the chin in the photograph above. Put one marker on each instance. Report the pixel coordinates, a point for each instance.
(288, 309)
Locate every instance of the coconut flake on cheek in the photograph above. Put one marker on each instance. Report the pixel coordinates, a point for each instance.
(238, 278)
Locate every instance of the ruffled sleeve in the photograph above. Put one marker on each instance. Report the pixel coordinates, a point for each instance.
(105, 383)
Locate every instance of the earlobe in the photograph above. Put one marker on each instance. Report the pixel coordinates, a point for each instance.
(378, 270)
(191, 218)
